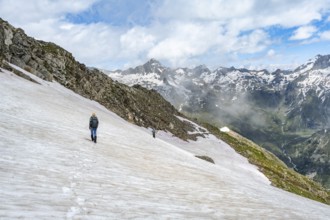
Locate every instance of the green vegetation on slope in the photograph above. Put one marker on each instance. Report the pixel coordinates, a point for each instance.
(273, 168)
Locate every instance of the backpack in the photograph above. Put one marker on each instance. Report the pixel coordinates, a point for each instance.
(93, 122)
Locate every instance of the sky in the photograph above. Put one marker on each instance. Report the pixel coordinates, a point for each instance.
(118, 34)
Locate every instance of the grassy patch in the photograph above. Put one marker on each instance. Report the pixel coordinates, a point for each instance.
(50, 48)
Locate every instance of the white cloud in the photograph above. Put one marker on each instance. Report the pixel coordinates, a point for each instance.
(325, 35)
(21, 12)
(252, 43)
(136, 41)
(91, 44)
(303, 33)
(253, 13)
(190, 40)
(185, 41)
(271, 53)
(181, 32)
(202, 10)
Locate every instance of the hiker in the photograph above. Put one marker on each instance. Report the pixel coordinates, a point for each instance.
(93, 124)
(153, 132)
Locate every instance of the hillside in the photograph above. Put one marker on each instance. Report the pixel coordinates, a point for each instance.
(272, 167)
(50, 168)
(52, 63)
(286, 112)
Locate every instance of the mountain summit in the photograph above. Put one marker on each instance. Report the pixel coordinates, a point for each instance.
(321, 62)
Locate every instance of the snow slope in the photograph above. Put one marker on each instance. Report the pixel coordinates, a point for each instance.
(49, 168)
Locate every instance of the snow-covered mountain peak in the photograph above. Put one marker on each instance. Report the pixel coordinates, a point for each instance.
(316, 63)
(153, 62)
(322, 62)
(314, 75)
(219, 69)
(180, 71)
(201, 68)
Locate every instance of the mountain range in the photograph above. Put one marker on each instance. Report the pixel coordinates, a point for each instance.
(286, 112)
(50, 169)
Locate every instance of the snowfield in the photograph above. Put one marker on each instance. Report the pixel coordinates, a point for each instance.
(50, 169)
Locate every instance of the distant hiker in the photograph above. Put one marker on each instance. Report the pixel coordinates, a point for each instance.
(93, 124)
(153, 132)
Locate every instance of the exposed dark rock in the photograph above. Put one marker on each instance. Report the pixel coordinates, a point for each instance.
(206, 158)
(17, 72)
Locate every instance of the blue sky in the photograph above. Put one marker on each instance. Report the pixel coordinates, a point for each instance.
(118, 34)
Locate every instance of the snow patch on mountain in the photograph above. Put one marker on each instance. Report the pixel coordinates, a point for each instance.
(149, 80)
(224, 129)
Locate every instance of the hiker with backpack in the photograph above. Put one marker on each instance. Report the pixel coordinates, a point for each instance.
(93, 124)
